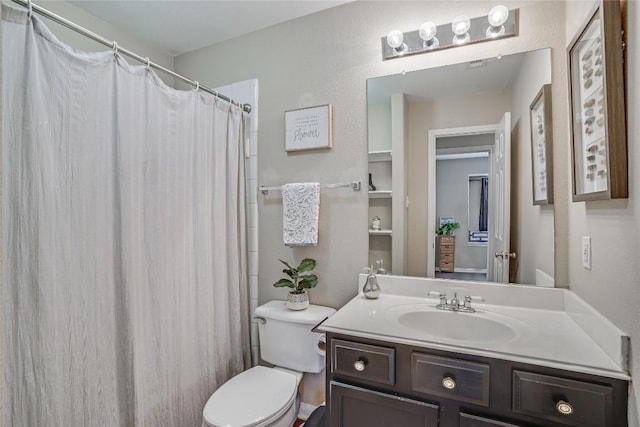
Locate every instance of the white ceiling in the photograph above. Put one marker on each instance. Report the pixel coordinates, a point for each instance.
(181, 26)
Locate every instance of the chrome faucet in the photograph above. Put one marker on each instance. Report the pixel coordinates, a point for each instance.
(454, 304)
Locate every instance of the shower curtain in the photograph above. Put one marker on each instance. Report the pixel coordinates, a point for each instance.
(124, 284)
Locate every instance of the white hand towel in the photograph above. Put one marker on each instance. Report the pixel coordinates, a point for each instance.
(300, 209)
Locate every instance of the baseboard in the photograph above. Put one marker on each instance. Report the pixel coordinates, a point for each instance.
(305, 410)
(470, 270)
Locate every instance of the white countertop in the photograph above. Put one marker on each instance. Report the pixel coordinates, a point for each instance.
(552, 334)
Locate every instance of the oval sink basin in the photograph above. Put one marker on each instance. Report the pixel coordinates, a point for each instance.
(457, 326)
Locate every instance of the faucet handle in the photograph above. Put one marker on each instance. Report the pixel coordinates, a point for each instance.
(441, 295)
(475, 298)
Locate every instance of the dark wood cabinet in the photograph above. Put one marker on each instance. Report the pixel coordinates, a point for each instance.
(467, 420)
(356, 406)
(380, 383)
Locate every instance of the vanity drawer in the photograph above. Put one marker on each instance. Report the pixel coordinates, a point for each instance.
(446, 250)
(451, 378)
(363, 361)
(446, 265)
(447, 240)
(571, 402)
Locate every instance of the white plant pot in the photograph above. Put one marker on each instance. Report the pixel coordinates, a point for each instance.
(297, 301)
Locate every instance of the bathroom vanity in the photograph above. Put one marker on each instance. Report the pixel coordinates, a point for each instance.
(534, 357)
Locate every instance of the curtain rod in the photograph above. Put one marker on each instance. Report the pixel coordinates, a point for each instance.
(102, 40)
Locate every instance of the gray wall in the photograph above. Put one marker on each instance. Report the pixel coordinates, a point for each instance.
(531, 225)
(479, 109)
(326, 58)
(452, 181)
(612, 285)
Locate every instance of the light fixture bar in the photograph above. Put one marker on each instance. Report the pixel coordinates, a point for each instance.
(477, 34)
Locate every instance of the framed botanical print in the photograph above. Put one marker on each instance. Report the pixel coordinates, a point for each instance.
(597, 107)
(542, 147)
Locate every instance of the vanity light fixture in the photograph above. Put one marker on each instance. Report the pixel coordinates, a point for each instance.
(502, 23)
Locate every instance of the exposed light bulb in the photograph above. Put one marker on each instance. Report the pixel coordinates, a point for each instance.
(427, 33)
(395, 39)
(498, 16)
(460, 25)
(461, 39)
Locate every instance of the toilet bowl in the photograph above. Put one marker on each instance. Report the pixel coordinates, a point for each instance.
(268, 397)
(258, 397)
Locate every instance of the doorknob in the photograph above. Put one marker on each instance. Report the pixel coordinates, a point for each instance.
(505, 255)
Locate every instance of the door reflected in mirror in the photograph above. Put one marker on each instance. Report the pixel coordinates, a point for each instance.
(429, 132)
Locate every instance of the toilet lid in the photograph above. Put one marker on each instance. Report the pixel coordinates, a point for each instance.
(250, 398)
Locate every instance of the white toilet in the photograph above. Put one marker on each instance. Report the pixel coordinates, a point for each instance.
(261, 396)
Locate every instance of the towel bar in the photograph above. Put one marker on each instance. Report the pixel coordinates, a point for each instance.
(355, 185)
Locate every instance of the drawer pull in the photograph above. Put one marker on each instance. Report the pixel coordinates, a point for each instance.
(564, 408)
(449, 383)
(360, 364)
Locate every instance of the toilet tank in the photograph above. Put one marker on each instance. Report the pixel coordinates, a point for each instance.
(286, 339)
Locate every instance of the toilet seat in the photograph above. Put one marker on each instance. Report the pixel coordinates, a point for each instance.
(252, 398)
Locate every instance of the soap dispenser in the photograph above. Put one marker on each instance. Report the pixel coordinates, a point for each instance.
(371, 289)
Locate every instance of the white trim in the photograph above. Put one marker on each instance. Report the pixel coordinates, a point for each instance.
(462, 156)
(479, 244)
(433, 135)
(470, 270)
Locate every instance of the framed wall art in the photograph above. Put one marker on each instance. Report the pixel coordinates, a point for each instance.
(308, 128)
(597, 106)
(542, 147)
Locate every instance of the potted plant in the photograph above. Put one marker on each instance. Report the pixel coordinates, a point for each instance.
(447, 228)
(298, 299)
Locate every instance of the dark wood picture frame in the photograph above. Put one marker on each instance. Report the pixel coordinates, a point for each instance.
(542, 147)
(597, 106)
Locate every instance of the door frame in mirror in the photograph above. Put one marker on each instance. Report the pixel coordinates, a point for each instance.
(433, 135)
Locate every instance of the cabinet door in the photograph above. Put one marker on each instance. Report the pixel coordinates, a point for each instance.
(467, 420)
(357, 407)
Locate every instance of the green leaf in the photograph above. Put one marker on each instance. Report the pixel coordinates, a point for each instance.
(307, 264)
(286, 263)
(308, 281)
(290, 272)
(282, 283)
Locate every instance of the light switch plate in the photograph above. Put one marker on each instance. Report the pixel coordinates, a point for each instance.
(586, 252)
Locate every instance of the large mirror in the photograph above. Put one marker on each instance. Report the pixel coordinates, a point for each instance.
(450, 172)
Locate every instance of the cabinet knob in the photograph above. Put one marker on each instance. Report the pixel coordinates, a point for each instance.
(360, 364)
(449, 383)
(564, 408)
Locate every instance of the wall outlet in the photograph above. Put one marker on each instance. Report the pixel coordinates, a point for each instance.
(586, 252)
